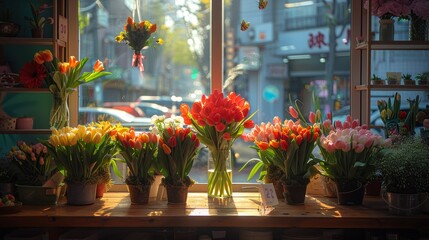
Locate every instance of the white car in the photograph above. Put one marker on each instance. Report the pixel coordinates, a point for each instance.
(95, 114)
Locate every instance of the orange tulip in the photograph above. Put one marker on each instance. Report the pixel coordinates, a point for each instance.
(47, 55)
(73, 62)
(98, 66)
(38, 58)
(63, 67)
(152, 28)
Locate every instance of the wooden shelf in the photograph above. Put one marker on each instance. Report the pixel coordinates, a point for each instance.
(26, 90)
(115, 210)
(392, 87)
(26, 131)
(395, 45)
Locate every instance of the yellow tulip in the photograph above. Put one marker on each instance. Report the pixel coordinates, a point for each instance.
(54, 140)
(383, 114)
(88, 136)
(97, 138)
(389, 113)
(63, 139)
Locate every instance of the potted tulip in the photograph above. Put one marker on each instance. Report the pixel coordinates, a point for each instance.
(35, 173)
(81, 151)
(404, 167)
(288, 145)
(138, 151)
(349, 153)
(178, 146)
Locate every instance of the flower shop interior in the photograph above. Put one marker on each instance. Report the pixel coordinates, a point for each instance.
(221, 119)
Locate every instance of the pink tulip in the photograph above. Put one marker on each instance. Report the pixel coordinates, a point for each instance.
(312, 117)
(293, 112)
(359, 148)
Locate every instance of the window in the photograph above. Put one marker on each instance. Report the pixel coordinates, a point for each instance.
(266, 64)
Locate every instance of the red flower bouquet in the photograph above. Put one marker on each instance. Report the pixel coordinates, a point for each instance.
(218, 122)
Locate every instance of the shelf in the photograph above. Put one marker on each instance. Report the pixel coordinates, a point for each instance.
(395, 45)
(27, 90)
(116, 210)
(26, 131)
(392, 87)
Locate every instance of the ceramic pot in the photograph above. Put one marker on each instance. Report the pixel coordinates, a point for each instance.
(294, 194)
(37, 32)
(24, 123)
(81, 194)
(350, 192)
(177, 194)
(37, 195)
(139, 194)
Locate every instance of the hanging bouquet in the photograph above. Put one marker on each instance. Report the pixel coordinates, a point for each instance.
(81, 151)
(349, 151)
(218, 122)
(137, 35)
(34, 162)
(178, 147)
(398, 122)
(139, 151)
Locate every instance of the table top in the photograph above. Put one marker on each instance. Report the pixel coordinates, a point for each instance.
(242, 210)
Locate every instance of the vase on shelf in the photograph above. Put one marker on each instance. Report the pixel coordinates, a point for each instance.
(219, 173)
(37, 32)
(60, 114)
(387, 29)
(418, 28)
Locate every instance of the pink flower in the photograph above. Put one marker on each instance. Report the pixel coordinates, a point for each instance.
(420, 8)
(293, 112)
(312, 117)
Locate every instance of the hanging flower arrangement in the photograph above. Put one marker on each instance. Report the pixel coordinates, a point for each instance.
(138, 35)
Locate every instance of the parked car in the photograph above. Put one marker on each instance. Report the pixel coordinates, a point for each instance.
(128, 107)
(149, 109)
(95, 114)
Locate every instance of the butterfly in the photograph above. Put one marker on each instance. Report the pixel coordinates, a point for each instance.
(262, 4)
(244, 25)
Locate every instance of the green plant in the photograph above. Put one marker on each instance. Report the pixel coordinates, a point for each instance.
(37, 21)
(376, 78)
(421, 77)
(407, 76)
(405, 166)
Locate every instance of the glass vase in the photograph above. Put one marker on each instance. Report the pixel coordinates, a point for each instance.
(219, 173)
(60, 114)
(387, 29)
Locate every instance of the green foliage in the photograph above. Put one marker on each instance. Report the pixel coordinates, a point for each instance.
(405, 166)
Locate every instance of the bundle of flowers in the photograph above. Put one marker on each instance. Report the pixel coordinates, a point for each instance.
(178, 147)
(139, 151)
(137, 35)
(349, 151)
(81, 151)
(7, 200)
(34, 162)
(289, 146)
(387, 9)
(218, 122)
(398, 122)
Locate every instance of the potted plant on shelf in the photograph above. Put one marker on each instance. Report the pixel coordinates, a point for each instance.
(349, 153)
(7, 27)
(37, 21)
(376, 80)
(81, 151)
(177, 148)
(404, 167)
(408, 80)
(138, 151)
(422, 79)
(36, 179)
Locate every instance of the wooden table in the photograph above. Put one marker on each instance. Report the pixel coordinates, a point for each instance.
(243, 210)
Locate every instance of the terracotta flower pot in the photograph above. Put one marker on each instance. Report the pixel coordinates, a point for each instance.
(177, 194)
(101, 189)
(139, 194)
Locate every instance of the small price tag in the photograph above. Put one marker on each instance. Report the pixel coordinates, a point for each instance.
(268, 195)
(62, 28)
